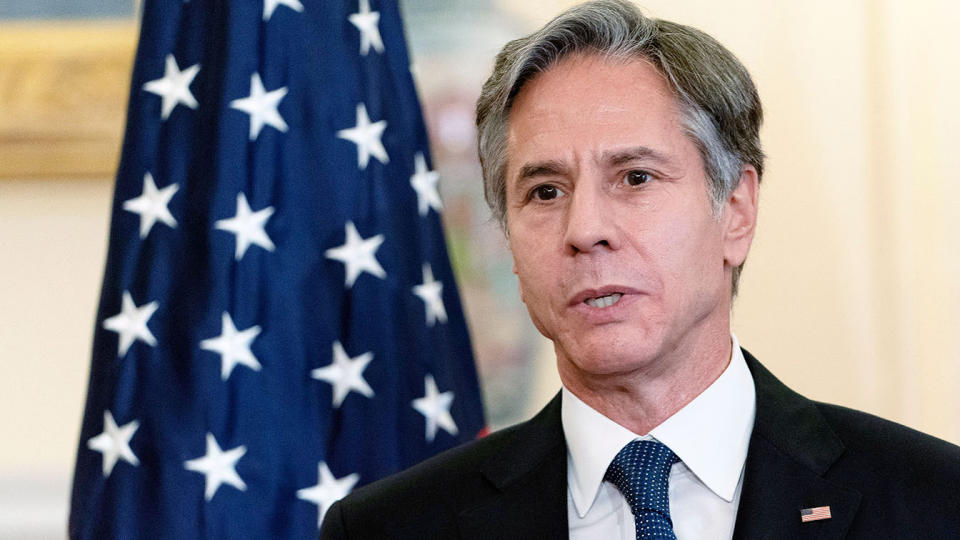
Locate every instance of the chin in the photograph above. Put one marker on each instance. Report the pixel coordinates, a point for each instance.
(607, 358)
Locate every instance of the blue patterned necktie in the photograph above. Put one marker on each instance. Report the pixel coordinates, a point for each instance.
(641, 472)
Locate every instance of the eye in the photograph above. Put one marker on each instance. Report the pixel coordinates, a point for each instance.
(636, 178)
(545, 192)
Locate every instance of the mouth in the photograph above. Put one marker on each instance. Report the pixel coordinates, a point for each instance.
(603, 301)
(602, 297)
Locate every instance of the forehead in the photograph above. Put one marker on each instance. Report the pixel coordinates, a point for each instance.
(592, 72)
(586, 104)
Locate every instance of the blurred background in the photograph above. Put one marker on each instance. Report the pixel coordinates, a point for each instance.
(851, 293)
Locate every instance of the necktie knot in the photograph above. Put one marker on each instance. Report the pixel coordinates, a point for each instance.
(641, 472)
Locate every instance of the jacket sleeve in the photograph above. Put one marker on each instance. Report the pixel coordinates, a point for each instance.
(333, 527)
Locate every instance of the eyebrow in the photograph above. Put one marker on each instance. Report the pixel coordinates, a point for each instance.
(541, 168)
(637, 153)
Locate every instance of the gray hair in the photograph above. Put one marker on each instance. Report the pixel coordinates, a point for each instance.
(719, 105)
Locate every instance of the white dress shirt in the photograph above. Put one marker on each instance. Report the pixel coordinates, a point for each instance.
(710, 435)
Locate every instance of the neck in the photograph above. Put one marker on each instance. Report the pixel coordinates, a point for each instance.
(643, 398)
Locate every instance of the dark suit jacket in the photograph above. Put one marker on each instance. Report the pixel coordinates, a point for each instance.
(880, 479)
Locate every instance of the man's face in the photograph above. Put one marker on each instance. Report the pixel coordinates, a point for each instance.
(620, 258)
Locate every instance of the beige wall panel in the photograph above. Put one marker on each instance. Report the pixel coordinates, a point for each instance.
(53, 241)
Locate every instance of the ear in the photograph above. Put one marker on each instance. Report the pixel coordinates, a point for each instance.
(740, 217)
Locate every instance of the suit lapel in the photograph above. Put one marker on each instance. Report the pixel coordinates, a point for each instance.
(530, 476)
(791, 449)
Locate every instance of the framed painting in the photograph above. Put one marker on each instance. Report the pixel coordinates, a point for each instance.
(64, 78)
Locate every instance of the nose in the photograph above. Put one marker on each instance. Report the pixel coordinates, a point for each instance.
(590, 224)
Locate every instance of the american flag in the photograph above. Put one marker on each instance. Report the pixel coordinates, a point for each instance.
(814, 514)
(279, 321)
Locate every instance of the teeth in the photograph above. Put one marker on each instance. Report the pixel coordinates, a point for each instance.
(604, 301)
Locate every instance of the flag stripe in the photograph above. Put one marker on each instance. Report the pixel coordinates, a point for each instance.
(815, 514)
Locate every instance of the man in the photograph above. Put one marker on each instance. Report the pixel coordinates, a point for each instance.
(622, 156)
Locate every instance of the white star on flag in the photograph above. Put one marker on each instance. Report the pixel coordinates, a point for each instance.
(345, 374)
(358, 254)
(218, 466)
(270, 5)
(328, 490)
(233, 346)
(367, 23)
(174, 87)
(152, 205)
(261, 106)
(114, 443)
(431, 292)
(424, 181)
(131, 323)
(248, 226)
(366, 136)
(435, 407)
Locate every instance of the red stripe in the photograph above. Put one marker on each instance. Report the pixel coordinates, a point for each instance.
(818, 513)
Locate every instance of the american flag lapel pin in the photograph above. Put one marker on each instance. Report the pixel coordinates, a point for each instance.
(815, 514)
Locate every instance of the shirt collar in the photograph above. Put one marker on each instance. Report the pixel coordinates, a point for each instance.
(710, 435)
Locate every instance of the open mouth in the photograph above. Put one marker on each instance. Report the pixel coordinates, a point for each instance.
(603, 301)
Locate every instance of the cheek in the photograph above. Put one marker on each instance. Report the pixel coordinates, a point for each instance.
(691, 252)
(530, 278)
(522, 266)
(536, 273)
(534, 295)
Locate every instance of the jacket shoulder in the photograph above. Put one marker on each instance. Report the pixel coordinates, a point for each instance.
(908, 479)
(436, 478)
(882, 479)
(895, 451)
(428, 499)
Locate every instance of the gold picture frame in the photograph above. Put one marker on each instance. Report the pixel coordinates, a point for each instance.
(63, 95)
